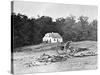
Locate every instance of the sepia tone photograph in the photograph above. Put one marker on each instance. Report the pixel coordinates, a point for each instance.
(53, 37)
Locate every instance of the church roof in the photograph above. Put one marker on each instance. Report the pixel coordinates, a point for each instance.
(54, 35)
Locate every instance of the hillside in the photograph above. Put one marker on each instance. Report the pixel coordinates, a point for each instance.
(25, 61)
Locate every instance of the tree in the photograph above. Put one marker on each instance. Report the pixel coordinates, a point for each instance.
(30, 31)
(65, 27)
(83, 32)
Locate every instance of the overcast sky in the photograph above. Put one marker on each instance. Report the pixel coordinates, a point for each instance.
(54, 10)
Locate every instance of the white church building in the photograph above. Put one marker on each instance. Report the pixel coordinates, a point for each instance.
(52, 38)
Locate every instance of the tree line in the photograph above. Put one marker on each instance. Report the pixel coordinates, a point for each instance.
(30, 31)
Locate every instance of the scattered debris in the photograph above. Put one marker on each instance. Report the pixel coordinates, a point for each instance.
(67, 52)
(45, 59)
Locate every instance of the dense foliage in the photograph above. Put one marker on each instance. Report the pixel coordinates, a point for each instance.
(30, 31)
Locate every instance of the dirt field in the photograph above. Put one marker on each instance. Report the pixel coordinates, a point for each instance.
(21, 59)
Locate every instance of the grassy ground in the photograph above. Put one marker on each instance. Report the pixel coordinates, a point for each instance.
(20, 59)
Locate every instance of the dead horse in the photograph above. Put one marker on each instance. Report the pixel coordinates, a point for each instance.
(64, 50)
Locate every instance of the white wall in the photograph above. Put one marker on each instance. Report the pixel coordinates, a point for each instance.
(52, 39)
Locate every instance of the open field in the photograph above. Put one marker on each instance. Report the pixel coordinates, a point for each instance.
(21, 60)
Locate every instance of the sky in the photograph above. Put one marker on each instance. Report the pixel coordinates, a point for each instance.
(54, 10)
